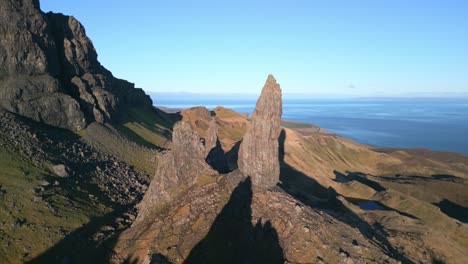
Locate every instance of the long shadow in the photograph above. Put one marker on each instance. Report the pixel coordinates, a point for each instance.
(93, 242)
(311, 193)
(453, 210)
(446, 206)
(232, 237)
(232, 155)
(80, 246)
(148, 119)
(435, 177)
(359, 177)
(217, 159)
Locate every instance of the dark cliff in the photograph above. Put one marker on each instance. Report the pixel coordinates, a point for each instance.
(49, 70)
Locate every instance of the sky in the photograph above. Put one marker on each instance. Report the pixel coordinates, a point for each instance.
(330, 48)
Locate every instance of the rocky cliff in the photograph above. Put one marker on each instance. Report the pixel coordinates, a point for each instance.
(49, 70)
(258, 153)
(190, 156)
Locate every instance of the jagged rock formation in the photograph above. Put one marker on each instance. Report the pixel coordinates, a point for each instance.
(214, 221)
(258, 153)
(211, 138)
(178, 169)
(229, 223)
(49, 70)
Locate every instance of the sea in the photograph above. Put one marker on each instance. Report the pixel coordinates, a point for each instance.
(436, 124)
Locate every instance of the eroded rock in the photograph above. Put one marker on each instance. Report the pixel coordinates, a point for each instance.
(177, 170)
(258, 152)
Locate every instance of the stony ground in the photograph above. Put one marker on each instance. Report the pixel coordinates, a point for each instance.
(54, 183)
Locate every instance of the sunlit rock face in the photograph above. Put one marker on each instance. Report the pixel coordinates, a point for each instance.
(258, 153)
(178, 169)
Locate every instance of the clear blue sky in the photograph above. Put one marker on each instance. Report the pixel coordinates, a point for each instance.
(351, 47)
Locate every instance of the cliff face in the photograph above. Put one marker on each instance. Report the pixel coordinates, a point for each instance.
(49, 71)
(258, 153)
(191, 155)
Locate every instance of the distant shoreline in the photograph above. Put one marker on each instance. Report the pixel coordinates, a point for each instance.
(438, 125)
(185, 96)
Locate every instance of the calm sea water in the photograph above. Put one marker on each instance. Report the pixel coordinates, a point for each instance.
(433, 124)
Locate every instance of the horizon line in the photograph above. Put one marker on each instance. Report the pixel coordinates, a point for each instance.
(449, 95)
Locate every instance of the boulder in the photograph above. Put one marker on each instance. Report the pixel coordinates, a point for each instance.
(60, 170)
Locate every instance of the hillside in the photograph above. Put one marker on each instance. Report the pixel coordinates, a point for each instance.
(410, 203)
(91, 172)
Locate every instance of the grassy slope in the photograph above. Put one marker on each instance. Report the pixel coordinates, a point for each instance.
(37, 223)
(136, 139)
(33, 216)
(148, 127)
(323, 156)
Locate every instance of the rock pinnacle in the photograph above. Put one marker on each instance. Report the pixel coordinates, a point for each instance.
(258, 153)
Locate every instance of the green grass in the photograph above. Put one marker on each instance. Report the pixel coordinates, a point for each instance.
(136, 139)
(148, 127)
(34, 218)
(289, 124)
(109, 140)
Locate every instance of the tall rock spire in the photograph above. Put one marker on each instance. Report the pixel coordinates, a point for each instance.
(258, 153)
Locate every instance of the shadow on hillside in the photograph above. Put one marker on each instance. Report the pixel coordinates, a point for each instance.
(446, 206)
(84, 244)
(136, 138)
(94, 241)
(435, 177)
(232, 155)
(148, 119)
(217, 159)
(359, 177)
(80, 246)
(453, 210)
(311, 193)
(232, 237)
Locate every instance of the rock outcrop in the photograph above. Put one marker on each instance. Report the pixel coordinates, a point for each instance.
(224, 223)
(258, 152)
(230, 219)
(49, 71)
(179, 168)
